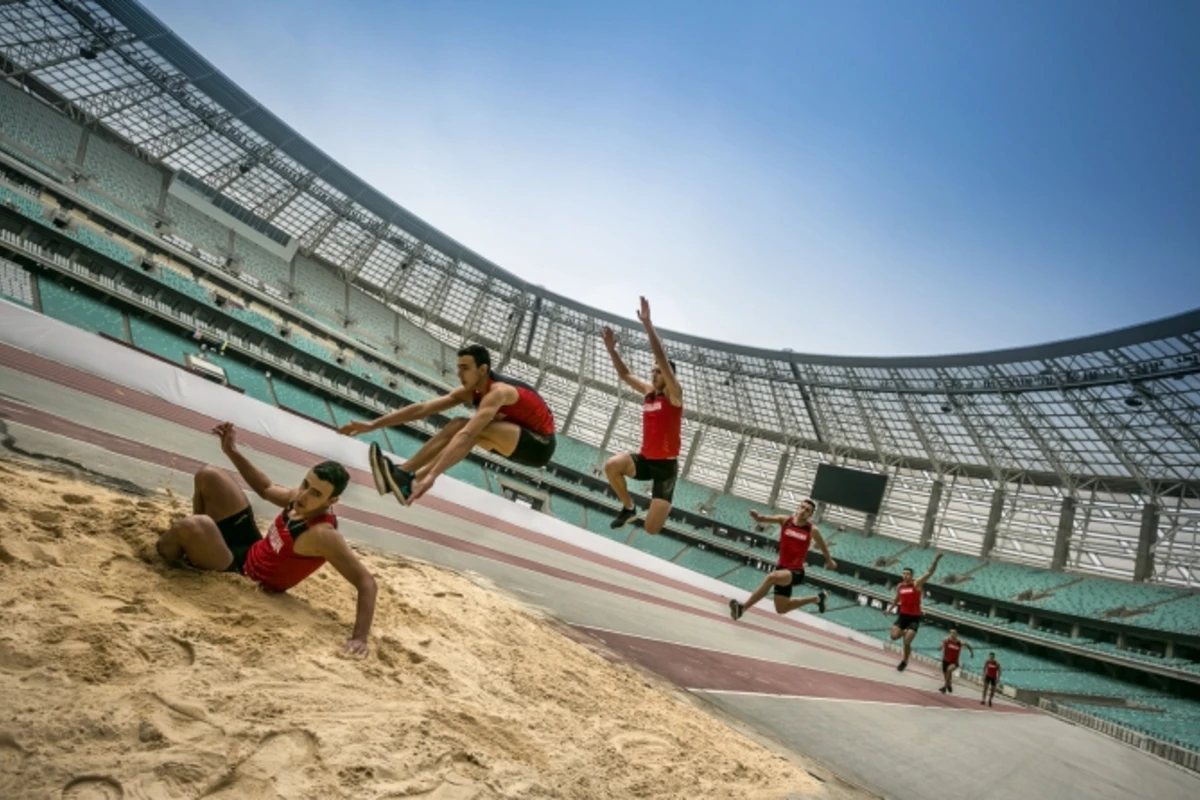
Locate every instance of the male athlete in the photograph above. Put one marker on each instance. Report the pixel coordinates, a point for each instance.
(951, 648)
(222, 536)
(662, 418)
(510, 418)
(796, 534)
(908, 599)
(991, 677)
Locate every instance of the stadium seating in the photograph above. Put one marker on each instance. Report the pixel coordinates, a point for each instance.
(1094, 596)
(198, 229)
(735, 511)
(855, 548)
(403, 441)
(102, 202)
(249, 379)
(162, 341)
(299, 399)
(1176, 722)
(343, 416)
(1181, 615)
(689, 495)
(101, 243)
(1004, 581)
(951, 563)
(372, 318)
(660, 545)
(746, 577)
(713, 563)
(469, 472)
(267, 267)
(122, 175)
(81, 310)
(320, 290)
(16, 283)
(568, 510)
(37, 126)
(575, 455)
(31, 207)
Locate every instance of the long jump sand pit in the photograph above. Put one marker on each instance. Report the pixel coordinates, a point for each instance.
(120, 677)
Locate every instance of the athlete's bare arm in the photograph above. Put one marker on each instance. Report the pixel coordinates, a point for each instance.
(968, 646)
(255, 478)
(767, 519)
(409, 413)
(324, 541)
(920, 582)
(674, 390)
(637, 384)
(820, 540)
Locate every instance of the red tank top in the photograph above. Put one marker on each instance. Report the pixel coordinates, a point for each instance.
(991, 669)
(950, 651)
(530, 411)
(661, 425)
(273, 561)
(794, 541)
(910, 600)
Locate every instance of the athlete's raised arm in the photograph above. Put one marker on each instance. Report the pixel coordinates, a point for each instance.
(920, 582)
(255, 478)
(674, 390)
(768, 518)
(410, 413)
(610, 343)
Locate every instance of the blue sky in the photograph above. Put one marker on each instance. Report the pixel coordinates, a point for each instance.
(852, 177)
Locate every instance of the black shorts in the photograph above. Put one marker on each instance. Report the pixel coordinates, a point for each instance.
(533, 449)
(797, 579)
(989, 681)
(662, 471)
(907, 622)
(240, 532)
(948, 665)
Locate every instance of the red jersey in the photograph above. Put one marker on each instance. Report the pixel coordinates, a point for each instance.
(529, 411)
(273, 561)
(661, 425)
(950, 651)
(794, 541)
(910, 599)
(991, 669)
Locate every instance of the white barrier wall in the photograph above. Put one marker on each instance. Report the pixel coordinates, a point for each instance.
(65, 344)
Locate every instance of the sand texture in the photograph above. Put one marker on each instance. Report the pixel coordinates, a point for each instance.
(120, 677)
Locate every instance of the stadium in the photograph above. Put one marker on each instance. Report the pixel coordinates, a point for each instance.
(161, 230)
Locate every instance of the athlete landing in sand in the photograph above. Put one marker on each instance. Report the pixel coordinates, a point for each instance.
(222, 536)
(908, 600)
(510, 418)
(662, 418)
(796, 535)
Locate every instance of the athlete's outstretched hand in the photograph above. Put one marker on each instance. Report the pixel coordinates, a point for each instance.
(757, 517)
(356, 647)
(228, 435)
(355, 428)
(830, 564)
(610, 339)
(644, 312)
(421, 487)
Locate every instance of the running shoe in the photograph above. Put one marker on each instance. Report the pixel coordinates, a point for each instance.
(399, 482)
(379, 465)
(821, 595)
(902, 666)
(623, 518)
(736, 610)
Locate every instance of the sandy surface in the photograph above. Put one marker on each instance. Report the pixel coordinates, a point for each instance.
(120, 677)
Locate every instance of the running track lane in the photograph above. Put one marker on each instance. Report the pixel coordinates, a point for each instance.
(50, 423)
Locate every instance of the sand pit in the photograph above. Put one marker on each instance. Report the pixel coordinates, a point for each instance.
(120, 677)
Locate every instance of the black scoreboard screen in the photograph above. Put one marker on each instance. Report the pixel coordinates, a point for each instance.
(849, 488)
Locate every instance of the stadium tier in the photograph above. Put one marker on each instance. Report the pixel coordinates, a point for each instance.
(1060, 482)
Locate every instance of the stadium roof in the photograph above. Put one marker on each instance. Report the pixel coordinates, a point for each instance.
(1120, 410)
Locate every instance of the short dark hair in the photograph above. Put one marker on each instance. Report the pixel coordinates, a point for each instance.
(809, 501)
(669, 361)
(333, 473)
(907, 569)
(991, 655)
(479, 353)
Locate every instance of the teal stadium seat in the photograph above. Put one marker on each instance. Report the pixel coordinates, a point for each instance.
(951, 563)
(1094, 596)
(576, 455)
(321, 291)
(343, 416)
(660, 545)
(1181, 615)
(26, 205)
(122, 175)
(404, 443)
(249, 379)
(567, 510)
(734, 511)
(162, 341)
(100, 243)
(16, 284)
(372, 319)
(855, 548)
(689, 496)
(122, 213)
(49, 134)
(300, 399)
(196, 228)
(1003, 581)
(707, 562)
(469, 472)
(262, 264)
(80, 310)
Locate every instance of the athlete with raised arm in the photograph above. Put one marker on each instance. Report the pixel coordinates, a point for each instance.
(662, 419)
(796, 535)
(221, 535)
(908, 601)
(510, 418)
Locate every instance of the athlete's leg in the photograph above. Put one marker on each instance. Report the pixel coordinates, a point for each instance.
(433, 448)
(656, 517)
(783, 605)
(909, 635)
(618, 468)
(498, 436)
(215, 496)
(896, 632)
(780, 577)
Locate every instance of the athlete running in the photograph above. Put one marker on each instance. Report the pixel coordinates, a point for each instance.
(951, 648)
(510, 418)
(222, 535)
(796, 535)
(908, 600)
(662, 418)
(991, 678)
